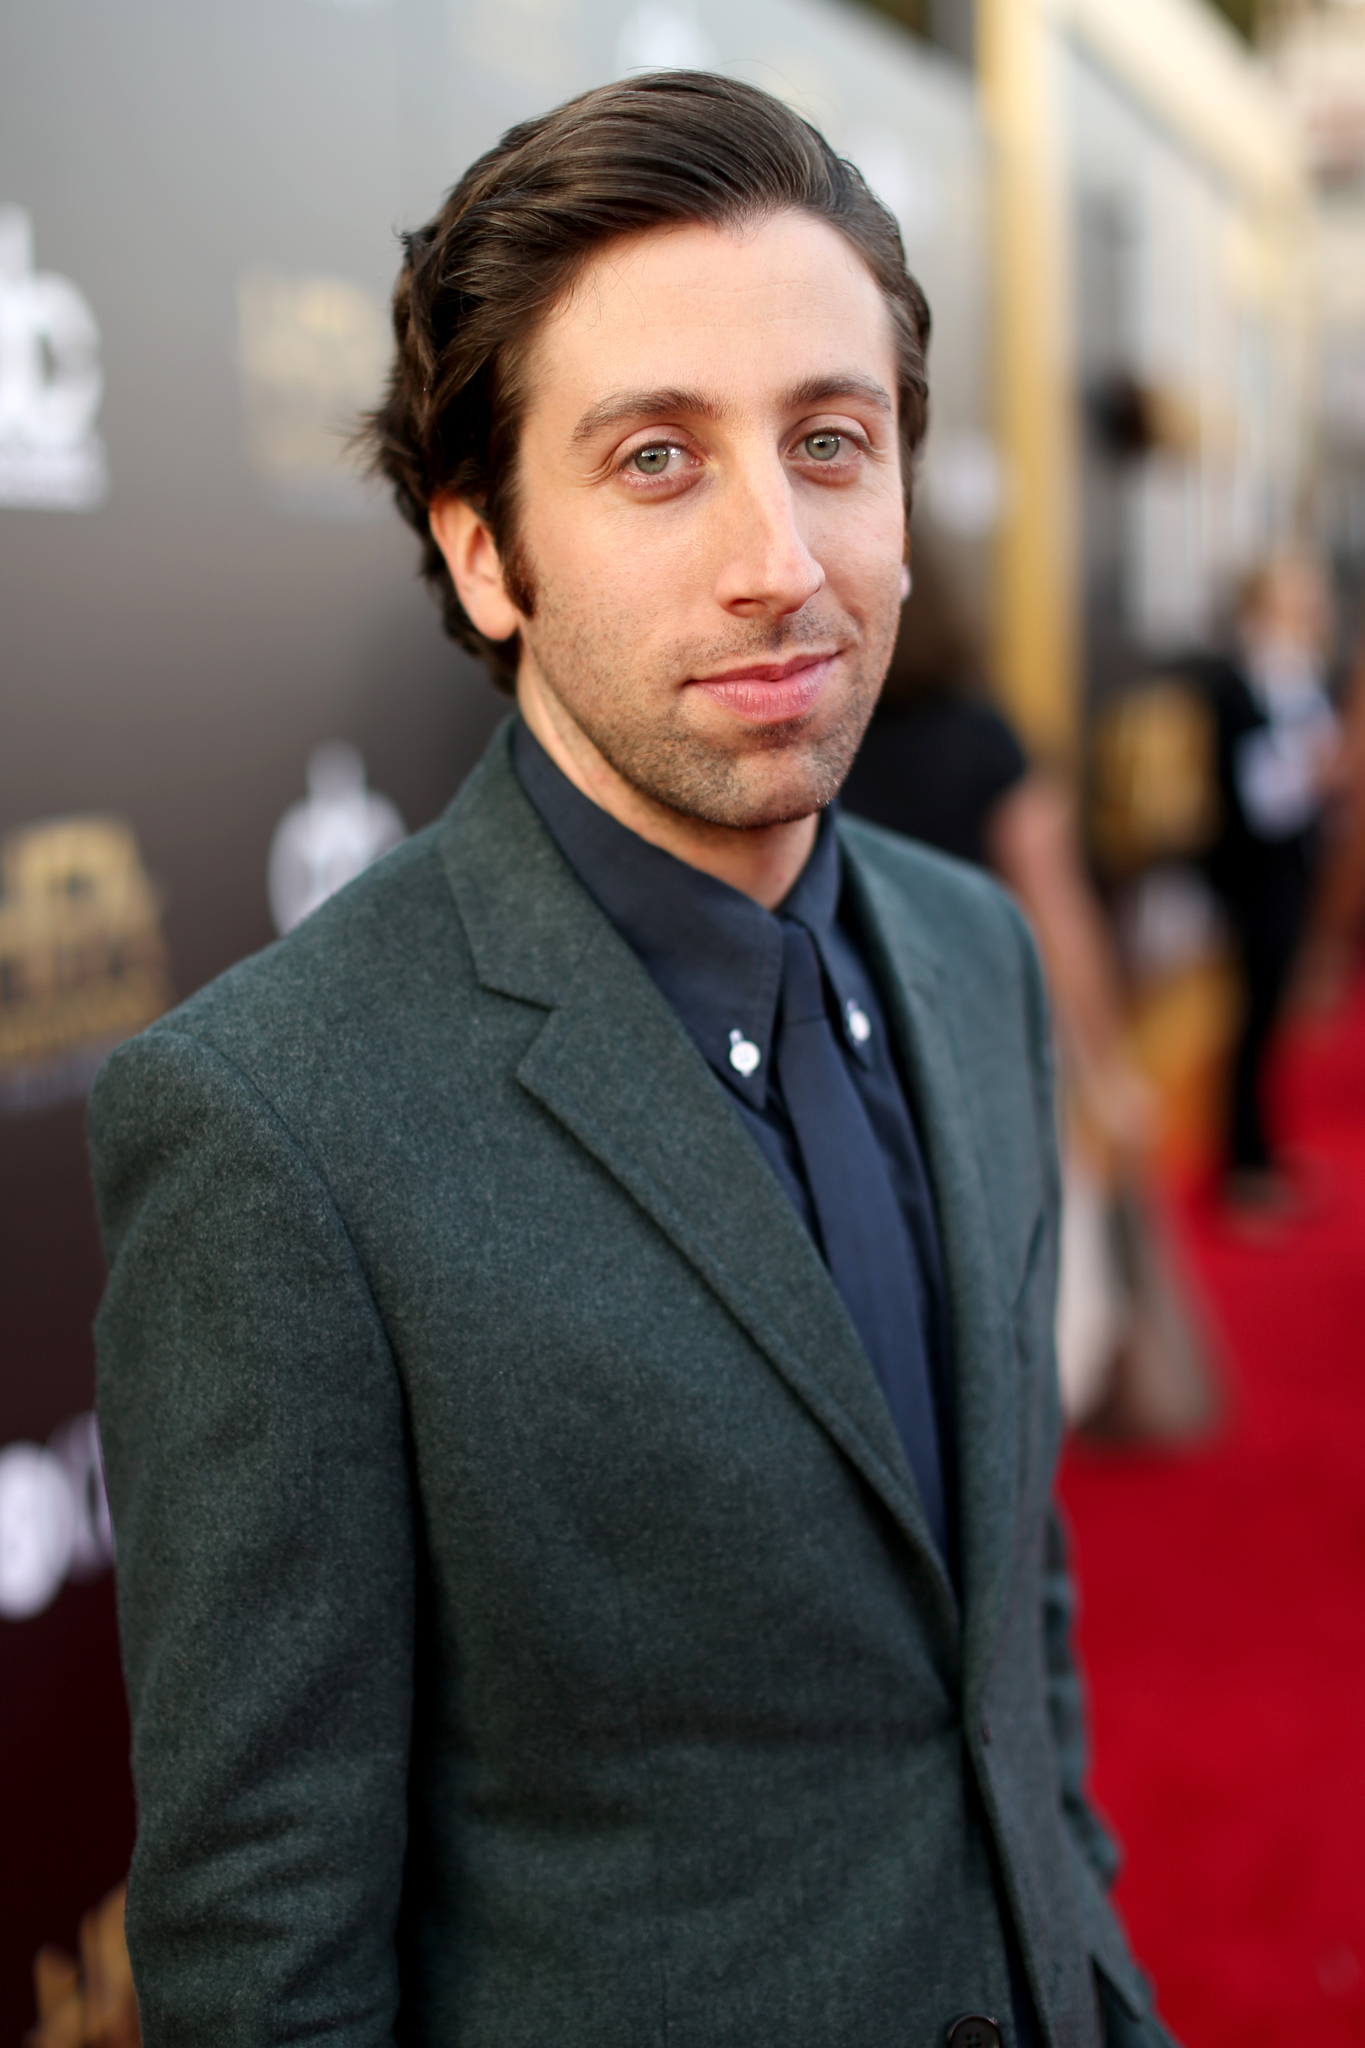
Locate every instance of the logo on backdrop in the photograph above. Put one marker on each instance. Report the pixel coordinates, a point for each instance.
(50, 382)
(331, 837)
(312, 353)
(82, 957)
(54, 1517)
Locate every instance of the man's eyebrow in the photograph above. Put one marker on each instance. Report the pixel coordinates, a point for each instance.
(676, 404)
(841, 384)
(636, 405)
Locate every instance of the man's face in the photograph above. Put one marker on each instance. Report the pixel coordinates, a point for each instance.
(711, 515)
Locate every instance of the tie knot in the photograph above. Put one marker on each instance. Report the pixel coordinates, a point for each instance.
(803, 983)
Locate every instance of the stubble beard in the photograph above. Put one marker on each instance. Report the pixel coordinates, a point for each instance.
(769, 775)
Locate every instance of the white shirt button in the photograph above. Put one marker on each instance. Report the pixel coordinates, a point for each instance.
(859, 1025)
(744, 1054)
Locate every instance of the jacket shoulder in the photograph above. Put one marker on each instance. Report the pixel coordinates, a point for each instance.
(322, 1000)
(358, 949)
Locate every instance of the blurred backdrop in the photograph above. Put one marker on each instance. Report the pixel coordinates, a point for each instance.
(1141, 228)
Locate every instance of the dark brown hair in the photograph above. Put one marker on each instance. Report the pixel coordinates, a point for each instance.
(477, 281)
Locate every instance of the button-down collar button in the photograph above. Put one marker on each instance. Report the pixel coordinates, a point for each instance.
(744, 1054)
(859, 1024)
(974, 2031)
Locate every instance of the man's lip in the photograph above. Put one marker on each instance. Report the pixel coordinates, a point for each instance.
(768, 671)
(770, 692)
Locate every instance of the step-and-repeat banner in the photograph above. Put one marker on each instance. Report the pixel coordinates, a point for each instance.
(222, 689)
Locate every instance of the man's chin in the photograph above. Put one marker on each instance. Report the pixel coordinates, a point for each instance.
(759, 792)
(736, 782)
(762, 814)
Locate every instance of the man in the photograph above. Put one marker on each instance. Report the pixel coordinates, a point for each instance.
(576, 1372)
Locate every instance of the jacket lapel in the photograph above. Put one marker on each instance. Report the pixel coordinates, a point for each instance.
(618, 1071)
(985, 1368)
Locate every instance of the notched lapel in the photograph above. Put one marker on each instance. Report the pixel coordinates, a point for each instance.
(984, 1357)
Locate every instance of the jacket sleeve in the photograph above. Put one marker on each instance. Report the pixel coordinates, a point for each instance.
(253, 1436)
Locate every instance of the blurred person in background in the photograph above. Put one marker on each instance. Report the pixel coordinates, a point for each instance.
(942, 764)
(1331, 957)
(580, 1422)
(1278, 762)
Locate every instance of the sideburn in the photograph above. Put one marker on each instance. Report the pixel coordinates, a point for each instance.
(518, 577)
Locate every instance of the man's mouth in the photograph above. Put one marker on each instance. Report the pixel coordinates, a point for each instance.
(766, 692)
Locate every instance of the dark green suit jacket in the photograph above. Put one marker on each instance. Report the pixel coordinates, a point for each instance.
(531, 1630)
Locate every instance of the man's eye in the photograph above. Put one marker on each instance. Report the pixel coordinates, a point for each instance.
(823, 447)
(653, 461)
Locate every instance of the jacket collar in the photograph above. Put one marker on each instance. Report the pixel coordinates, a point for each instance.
(616, 1068)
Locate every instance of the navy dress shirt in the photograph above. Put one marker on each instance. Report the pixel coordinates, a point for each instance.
(716, 956)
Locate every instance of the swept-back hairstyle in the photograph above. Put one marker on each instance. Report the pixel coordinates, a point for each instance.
(675, 147)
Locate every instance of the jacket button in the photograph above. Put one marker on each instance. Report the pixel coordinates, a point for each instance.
(974, 2031)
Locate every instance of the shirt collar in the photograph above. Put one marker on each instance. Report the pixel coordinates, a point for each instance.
(714, 954)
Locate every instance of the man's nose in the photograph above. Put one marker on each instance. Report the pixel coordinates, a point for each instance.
(765, 565)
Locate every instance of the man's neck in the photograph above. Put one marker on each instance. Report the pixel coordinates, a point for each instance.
(763, 863)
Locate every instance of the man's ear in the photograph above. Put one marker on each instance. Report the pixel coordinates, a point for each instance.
(474, 565)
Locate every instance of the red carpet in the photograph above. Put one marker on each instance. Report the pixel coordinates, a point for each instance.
(1224, 1618)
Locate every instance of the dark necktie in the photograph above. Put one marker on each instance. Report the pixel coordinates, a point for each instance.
(866, 1241)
